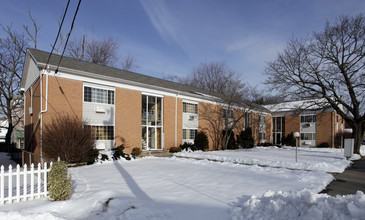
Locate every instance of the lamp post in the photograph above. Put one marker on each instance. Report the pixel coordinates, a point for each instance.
(296, 135)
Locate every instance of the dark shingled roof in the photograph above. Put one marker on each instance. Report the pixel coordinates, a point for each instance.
(109, 73)
(105, 71)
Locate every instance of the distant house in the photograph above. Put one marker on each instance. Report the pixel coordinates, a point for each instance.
(17, 136)
(313, 119)
(3, 129)
(121, 106)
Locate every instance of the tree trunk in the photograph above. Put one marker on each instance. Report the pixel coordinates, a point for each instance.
(358, 131)
(8, 133)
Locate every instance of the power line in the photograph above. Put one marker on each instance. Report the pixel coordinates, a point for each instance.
(68, 35)
(59, 31)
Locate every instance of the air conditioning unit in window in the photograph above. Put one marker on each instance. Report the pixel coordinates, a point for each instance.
(99, 109)
(191, 117)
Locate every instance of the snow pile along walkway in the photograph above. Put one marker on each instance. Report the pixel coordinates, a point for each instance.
(322, 159)
(302, 205)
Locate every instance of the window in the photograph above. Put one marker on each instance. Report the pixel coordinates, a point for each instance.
(189, 133)
(102, 132)
(228, 113)
(98, 95)
(152, 125)
(308, 118)
(308, 136)
(278, 129)
(247, 120)
(190, 108)
(262, 119)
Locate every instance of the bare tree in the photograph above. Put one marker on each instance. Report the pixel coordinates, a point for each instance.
(216, 77)
(12, 55)
(330, 65)
(129, 63)
(102, 52)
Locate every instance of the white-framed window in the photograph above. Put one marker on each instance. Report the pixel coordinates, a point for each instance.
(190, 108)
(308, 136)
(227, 113)
(152, 122)
(262, 119)
(189, 134)
(98, 95)
(102, 132)
(308, 119)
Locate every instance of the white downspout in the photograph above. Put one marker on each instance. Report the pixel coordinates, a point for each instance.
(176, 119)
(333, 130)
(44, 71)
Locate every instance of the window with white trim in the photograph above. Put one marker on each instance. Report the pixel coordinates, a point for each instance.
(308, 136)
(190, 108)
(102, 132)
(189, 134)
(308, 118)
(97, 95)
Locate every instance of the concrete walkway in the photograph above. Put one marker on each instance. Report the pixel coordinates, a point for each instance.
(350, 181)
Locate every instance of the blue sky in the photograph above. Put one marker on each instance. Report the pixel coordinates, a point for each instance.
(171, 37)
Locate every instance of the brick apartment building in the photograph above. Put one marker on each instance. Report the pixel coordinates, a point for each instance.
(120, 106)
(315, 123)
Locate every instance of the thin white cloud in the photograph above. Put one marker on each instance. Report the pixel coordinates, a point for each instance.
(161, 19)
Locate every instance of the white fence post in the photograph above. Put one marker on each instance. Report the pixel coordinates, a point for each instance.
(39, 181)
(18, 183)
(45, 179)
(2, 186)
(31, 181)
(10, 184)
(25, 182)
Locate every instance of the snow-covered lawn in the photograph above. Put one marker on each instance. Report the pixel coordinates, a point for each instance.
(324, 159)
(179, 188)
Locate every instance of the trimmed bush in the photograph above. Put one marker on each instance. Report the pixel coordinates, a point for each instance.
(324, 145)
(289, 140)
(174, 149)
(69, 138)
(245, 139)
(136, 152)
(201, 141)
(186, 146)
(59, 186)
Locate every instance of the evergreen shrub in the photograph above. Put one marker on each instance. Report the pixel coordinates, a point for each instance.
(136, 152)
(289, 140)
(324, 145)
(174, 149)
(201, 141)
(245, 139)
(118, 153)
(59, 186)
(186, 146)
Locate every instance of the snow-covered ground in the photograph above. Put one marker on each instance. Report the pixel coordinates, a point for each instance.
(324, 159)
(179, 188)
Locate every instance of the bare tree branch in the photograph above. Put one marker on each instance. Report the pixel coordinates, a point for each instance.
(328, 65)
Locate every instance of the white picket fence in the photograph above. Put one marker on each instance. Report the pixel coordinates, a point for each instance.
(22, 184)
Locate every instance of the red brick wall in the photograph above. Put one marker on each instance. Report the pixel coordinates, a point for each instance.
(211, 123)
(128, 125)
(324, 128)
(169, 104)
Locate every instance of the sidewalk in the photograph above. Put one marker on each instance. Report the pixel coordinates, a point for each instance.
(350, 181)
